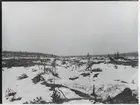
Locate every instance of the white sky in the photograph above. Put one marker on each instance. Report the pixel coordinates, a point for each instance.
(70, 28)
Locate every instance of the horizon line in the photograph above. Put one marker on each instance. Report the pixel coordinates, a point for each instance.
(70, 55)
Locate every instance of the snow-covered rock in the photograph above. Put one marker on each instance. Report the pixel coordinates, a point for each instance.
(109, 90)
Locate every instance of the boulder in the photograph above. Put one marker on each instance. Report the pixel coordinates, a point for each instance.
(125, 97)
(109, 90)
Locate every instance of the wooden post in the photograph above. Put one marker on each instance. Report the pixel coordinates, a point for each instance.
(54, 76)
(93, 92)
(44, 68)
(54, 69)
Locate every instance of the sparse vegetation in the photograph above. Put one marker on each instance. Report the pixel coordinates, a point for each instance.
(74, 85)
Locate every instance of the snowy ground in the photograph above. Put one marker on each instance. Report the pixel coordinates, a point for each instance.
(27, 90)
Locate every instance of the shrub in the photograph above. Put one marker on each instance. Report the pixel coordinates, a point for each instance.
(37, 78)
(116, 67)
(85, 74)
(96, 70)
(34, 70)
(10, 94)
(63, 62)
(23, 76)
(73, 78)
(36, 101)
(56, 97)
(14, 99)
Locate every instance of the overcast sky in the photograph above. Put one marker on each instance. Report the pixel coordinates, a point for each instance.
(70, 28)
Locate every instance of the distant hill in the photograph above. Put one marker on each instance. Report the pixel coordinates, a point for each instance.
(122, 54)
(131, 54)
(25, 54)
(135, 54)
(37, 54)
